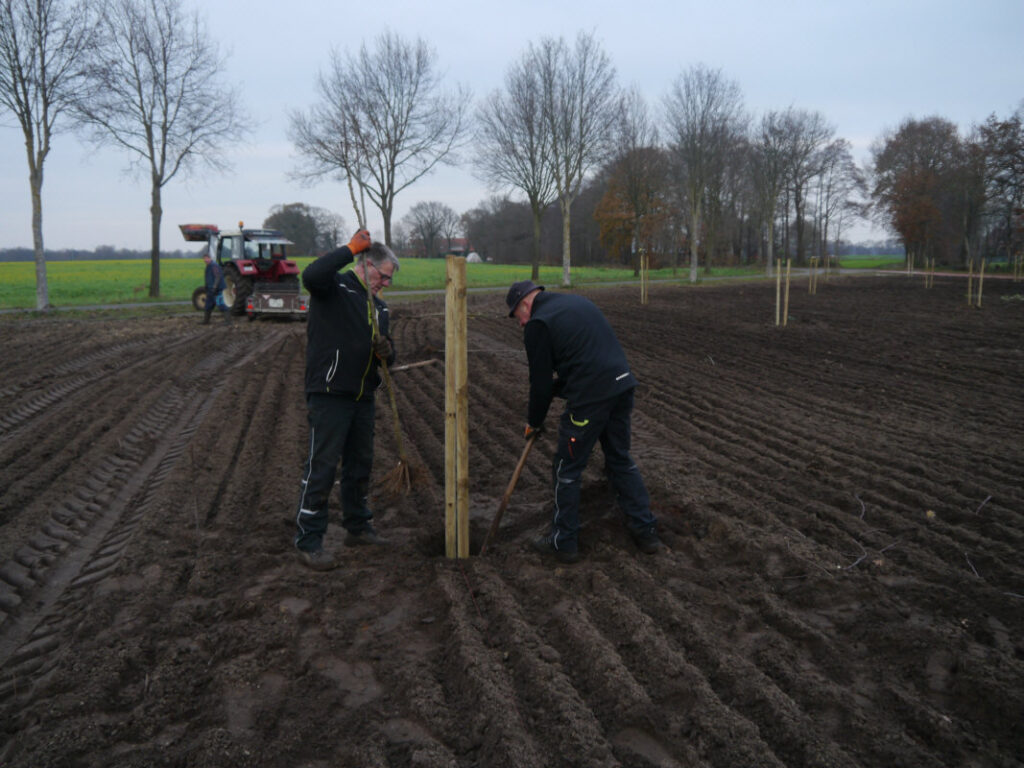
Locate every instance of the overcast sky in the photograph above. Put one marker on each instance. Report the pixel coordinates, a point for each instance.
(865, 65)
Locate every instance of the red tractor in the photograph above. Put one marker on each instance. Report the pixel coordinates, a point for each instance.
(259, 278)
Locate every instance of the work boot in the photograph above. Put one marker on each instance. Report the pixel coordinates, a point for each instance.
(648, 543)
(546, 546)
(366, 536)
(317, 559)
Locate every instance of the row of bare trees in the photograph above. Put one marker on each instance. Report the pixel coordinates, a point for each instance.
(139, 75)
(699, 176)
(560, 121)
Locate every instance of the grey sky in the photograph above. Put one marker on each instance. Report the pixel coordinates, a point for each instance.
(864, 65)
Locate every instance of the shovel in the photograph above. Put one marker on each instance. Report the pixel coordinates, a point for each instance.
(508, 493)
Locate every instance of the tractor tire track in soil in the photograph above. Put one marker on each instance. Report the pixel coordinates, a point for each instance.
(842, 502)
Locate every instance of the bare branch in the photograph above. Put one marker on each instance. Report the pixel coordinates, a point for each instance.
(382, 121)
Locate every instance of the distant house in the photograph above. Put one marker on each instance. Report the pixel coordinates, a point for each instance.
(459, 247)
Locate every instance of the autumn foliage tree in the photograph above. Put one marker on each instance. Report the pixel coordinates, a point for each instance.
(916, 170)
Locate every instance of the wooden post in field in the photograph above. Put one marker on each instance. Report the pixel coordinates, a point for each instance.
(778, 291)
(981, 281)
(644, 275)
(456, 417)
(785, 306)
(970, 281)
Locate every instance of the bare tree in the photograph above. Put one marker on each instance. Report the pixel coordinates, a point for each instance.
(702, 110)
(158, 96)
(451, 225)
(640, 169)
(1003, 144)
(42, 46)
(513, 143)
(579, 97)
(768, 167)
(382, 123)
(840, 184)
(807, 134)
(429, 221)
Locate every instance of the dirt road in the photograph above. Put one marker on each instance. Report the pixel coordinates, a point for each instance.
(843, 502)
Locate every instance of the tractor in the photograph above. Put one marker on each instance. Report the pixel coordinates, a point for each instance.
(259, 278)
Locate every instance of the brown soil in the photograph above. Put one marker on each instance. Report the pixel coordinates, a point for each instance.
(842, 500)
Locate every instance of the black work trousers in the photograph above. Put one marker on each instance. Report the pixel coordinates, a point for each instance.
(579, 430)
(340, 429)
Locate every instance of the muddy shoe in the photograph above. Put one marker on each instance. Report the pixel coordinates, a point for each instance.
(546, 547)
(317, 559)
(649, 543)
(367, 536)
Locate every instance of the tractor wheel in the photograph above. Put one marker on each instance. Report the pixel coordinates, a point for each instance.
(237, 290)
(199, 298)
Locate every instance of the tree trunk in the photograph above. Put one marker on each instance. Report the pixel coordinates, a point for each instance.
(566, 205)
(386, 215)
(535, 271)
(155, 214)
(35, 178)
(694, 237)
(798, 206)
(769, 253)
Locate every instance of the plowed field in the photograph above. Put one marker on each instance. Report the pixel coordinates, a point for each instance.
(842, 501)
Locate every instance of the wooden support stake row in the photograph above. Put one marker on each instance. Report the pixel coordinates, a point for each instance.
(456, 412)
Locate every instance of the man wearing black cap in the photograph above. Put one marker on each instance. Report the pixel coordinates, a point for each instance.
(573, 353)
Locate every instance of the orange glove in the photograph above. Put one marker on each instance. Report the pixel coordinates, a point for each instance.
(532, 431)
(360, 242)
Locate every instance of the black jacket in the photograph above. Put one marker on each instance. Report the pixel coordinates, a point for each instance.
(569, 336)
(339, 355)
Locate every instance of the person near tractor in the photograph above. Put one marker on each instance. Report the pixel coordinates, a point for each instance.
(214, 280)
(343, 354)
(573, 354)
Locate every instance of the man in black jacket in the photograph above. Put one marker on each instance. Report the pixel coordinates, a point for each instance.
(573, 353)
(342, 357)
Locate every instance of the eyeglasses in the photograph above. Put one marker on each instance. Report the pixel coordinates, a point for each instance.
(387, 277)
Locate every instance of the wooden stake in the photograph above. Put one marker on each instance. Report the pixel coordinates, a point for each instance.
(785, 306)
(981, 281)
(644, 276)
(456, 444)
(450, 477)
(970, 281)
(778, 291)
